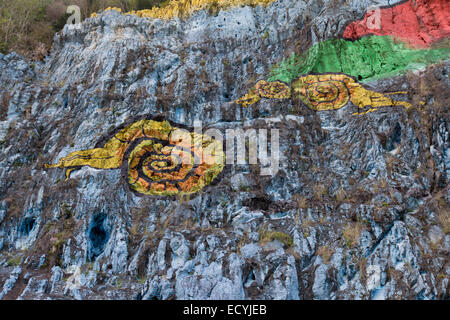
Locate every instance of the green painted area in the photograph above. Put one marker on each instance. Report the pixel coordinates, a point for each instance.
(367, 58)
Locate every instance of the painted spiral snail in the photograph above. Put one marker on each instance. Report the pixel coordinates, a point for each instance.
(322, 92)
(158, 159)
(264, 89)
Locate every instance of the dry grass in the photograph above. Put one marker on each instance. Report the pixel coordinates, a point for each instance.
(340, 195)
(362, 269)
(242, 242)
(382, 183)
(326, 253)
(319, 191)
(352, 233)
(390, 162)
(302, 202)
(266, 236)
(444, 220)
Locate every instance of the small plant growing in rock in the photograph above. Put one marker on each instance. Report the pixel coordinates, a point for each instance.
(142, 280)
(444, 220)
(242, 242)
(326, 253)
(266, 236)
(244, 188)
(45, 264)
(340, 195)
(302, 201)
(14, 261)
(351, 234)
(319, 191)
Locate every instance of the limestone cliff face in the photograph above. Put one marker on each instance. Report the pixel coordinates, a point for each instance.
(357, 210)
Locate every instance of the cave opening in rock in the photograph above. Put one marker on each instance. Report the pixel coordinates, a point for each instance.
(394, 138)
(98, 236)
(26, 226)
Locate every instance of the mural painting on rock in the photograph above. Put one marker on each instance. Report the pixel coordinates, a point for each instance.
(264, 89)
(323, 92)
(366, 59)
(185, 8)
(160, 159)
(329, 73)
(420, 23)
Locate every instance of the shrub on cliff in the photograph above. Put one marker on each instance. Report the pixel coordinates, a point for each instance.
(28, 26)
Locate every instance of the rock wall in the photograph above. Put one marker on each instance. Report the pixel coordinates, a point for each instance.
(357, 210)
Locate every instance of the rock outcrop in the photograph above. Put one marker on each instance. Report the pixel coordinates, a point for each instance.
(357, 209)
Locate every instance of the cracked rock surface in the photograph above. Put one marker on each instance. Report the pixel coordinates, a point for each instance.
(359, 208)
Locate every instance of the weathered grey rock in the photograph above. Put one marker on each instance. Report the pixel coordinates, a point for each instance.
(322, 285)
(35, 289)
(239, 182)
(244, 215)
(57, 275)
(180, 250)
(11, 281)
(246, 236)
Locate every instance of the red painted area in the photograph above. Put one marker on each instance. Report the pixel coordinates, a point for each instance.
(420, 23)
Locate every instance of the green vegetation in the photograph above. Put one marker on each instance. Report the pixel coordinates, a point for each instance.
(28, 26)
(266, 236)
(142, 280)
(14, 261)
(369, 57)
(244, 188)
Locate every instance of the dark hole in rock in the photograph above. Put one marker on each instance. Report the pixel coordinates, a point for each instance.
(26, 226)
(442, 181)
(98, 236)
(249, 279)
(257, 203)
(394, 138)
